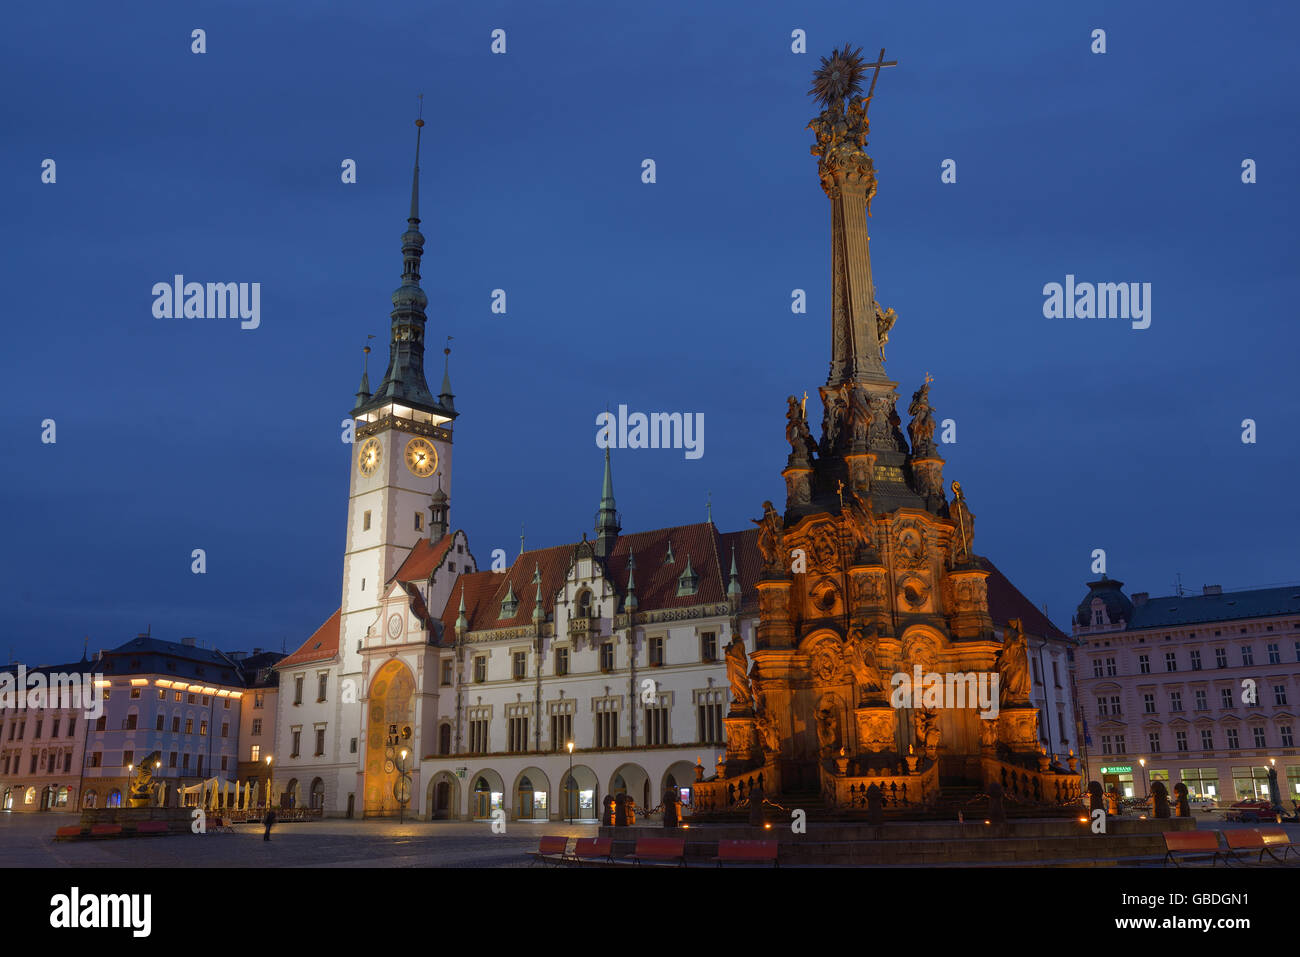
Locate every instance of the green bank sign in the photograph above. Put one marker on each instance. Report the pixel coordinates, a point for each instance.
(1118, 769)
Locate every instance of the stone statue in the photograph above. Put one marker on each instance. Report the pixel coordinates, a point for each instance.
(796, 430)
(1096, 801)
(857, 415)
(927, 730)
(921, 428)
(1013, 664)
(885, 319)
(988, 734)
(737, 668)
(828, 729)
(833, 402)
(771, 537)
(961, 516)
(858, 514)
(671, 799)
(1112, 801)
(140, 788)
(875, 805)
(860, 653)
(769, 733)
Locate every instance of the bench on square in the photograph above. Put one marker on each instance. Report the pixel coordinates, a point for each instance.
(106, 830)
(222, 825)
(1190, 843)
(1277, 839)
(659, 851)
(71, 832)
(747, 852)
(551, 850)
(152, 827)
(593, 849)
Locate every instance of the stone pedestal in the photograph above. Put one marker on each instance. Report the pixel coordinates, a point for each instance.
(970, 612)
(1018, 728)
(877, 728)
(798, 483)
(775, 630)
(742, 741)
(861, 465)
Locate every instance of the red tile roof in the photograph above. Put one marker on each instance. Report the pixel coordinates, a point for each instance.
(1007, 602)
(424, 558)
(323, 644)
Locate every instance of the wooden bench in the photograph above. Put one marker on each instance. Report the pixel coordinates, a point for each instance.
(660, 850)
(106, 830)
(551, 849)
(747, 852)
(593, 849)
(1243, 839)
(152, 827)
(222, 825)
(71, 832)
(1190, 842)
(1277, 839)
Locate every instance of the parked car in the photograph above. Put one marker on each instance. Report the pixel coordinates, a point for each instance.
(1249, 812)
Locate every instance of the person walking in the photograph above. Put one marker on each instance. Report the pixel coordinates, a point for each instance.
(269, 822)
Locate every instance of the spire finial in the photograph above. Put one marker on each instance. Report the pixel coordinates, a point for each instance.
(708, 506)
(415, 179)
(521, 538)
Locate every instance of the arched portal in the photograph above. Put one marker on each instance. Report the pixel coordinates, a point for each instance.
(443, 797)
(532, 795)
(390, 718)
(632, 780)
(579, 794)
(681, 777)
(488, 794)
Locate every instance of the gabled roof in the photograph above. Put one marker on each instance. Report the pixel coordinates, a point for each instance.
(1228, 606)
(655, 581)
(1006, 602)
(321, 646)
(424, 558)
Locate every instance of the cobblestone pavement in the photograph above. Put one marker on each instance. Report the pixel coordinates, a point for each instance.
(27, 840)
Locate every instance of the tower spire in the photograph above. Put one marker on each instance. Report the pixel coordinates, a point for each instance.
(404, 380)
(607, 526)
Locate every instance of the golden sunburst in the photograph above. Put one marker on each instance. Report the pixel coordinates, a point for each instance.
(839, 76)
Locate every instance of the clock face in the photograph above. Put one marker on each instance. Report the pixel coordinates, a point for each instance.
(421, 457)
(369, 456)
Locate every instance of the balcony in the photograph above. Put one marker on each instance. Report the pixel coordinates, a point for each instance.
(584, 628)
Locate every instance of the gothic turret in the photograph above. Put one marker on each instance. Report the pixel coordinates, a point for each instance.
(607, 520)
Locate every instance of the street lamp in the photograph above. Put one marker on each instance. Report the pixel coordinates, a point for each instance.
(270, 774)
(403, 786)
(1146, 783)
(568, 788)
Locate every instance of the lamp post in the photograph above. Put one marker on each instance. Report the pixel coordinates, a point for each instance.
(269, 777)
(1146, 783)
(403, 785)
(568, 788)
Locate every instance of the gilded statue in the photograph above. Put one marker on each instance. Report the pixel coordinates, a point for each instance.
(771, 535)
(921, 428)
(140, 787)
(960, 514)
(885, 319)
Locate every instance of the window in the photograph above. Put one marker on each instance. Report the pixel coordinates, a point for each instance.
(480, 669)
(257, 699)
(1225, 697)
(132, 721)
(1202, 703)
(607, 729)
(1286, 736)
(223, 762)
(1056, 674)
(656, 722)
(584, 604)
(226, 704)
(257, 727)
(517, 733)
(1111, 670)
(1207, 739)
(1279, 694)
(656, 651)
(444, 739)
(171, 761)
(1274, 656)
(225, 729)
(297, 689)
(96, 759)
(176, 724)
(446, 673)
(1102, 706)
(365, 520)
(72, 724)
(561, 730)
(135, 692)
(1148, 703)
(128, 758)
(189, 699)
(1220, 657)
(320, 741)
(1180, 740)
(1096, 668)
(158, 723)
(1120, 745)
(1106, 744)
(1232, 739)
(189, 725)
(1171, 661)
(519, 664)
(1175, 701)
(162, 695)
(185, 763)
(199, 768)
(607, 656)
(257, 753)
(1114, 704)
(1247, 655)
(1196, 659)
(419, 522)
(296, 736)
(322, 682)
(478, 736)
(39, 724)
(177, 696)
(709, 646)
(100, 723)
(1259, 737)
(561, 661)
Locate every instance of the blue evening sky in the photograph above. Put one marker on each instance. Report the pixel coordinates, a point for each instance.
(1073, 434)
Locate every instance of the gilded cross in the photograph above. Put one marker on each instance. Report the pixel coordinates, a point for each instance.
(928, 378)
(803, 406)
(880, 62)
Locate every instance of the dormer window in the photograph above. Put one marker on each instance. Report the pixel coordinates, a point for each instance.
(509, 604)
(688, 582)
(584, 604)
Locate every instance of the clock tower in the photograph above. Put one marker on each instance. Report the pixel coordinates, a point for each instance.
(401, 458)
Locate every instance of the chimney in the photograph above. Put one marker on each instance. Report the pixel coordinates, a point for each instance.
(187, 642)
(1211, 589)
(1140, 597)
